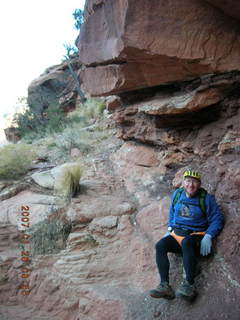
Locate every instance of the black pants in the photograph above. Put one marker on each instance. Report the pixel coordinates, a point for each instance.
(190, 250)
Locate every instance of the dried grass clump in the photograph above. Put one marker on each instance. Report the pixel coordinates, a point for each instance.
(15, 160)
(48, 237)
(92, 109)
(67, 182)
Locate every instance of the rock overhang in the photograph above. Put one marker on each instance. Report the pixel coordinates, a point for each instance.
(162, 43)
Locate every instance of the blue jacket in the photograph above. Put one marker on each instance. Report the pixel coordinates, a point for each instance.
(187, 214)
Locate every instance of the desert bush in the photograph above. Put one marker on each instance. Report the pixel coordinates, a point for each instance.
(49, 236)
(71, 138)
(57, 147)
(78, 130)
(93, 107)
(67, 182)
(85, 113)
(31, 125)
(15, 160)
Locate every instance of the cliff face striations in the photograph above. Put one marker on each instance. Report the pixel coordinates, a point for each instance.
(127, 45)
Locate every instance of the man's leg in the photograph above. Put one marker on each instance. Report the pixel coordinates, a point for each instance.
(165, 245)
(190, 249)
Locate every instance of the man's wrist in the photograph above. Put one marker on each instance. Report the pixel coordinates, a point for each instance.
(170, 229)
(208, 235)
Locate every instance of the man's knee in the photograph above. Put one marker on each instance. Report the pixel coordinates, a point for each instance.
(161, 245)
(187, 243)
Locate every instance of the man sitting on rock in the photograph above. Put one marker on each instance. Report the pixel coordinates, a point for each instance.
(194, 219)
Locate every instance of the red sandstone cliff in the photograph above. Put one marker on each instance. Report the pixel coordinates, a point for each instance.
(129, 44)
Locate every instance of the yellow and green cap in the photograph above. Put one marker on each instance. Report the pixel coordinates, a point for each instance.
(193, 174)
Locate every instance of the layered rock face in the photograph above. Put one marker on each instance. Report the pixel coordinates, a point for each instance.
(164, 115)
(127, 45)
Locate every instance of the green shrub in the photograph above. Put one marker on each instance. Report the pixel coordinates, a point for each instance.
(86, 140)
(32, 125)
(49, 236)
(85, 113)
(57, 147)
(67, 182)
(15, 160)
(55, 138)
(93, 107)
(72, 137)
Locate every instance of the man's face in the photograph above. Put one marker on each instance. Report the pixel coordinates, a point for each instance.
(191, 186)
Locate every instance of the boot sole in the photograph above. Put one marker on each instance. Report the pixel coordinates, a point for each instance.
(156, 296)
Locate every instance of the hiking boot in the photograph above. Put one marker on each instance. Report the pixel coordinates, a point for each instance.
(187, 291)
(164, 290)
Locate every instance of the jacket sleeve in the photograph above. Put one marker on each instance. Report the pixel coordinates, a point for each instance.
(171, 210)
(214, 216)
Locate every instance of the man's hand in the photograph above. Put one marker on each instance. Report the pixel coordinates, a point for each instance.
(206, 245)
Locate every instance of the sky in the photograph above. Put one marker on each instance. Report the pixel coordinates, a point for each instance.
(32, 38)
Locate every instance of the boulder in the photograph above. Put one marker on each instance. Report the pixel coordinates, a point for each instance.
(55, 87)
(75, 153)
(139, 167)
(113, 103)
(45, 179)
(11, 134)
(40, 207)
(153, 219)
(105, 205)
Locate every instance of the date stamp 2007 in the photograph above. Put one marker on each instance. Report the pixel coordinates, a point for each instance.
(25, 252)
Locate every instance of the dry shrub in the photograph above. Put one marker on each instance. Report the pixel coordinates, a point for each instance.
(67, 182)
(15, 160)
(49, 236)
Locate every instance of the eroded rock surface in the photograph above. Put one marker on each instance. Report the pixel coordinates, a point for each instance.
(109, 261)
(163, 42)
(41, 206)
(55, 87)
